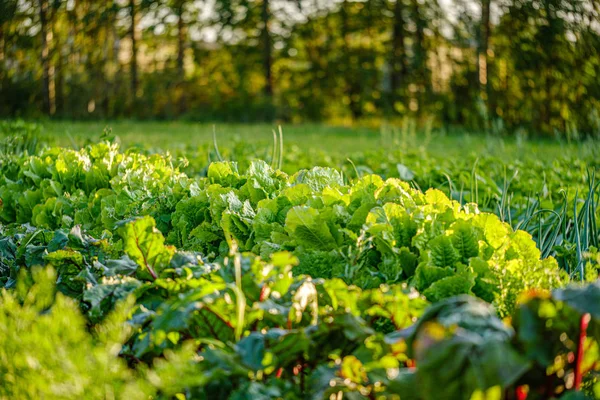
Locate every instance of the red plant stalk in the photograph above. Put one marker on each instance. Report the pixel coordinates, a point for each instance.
(264, 290)
(521, 393)
(583, 325)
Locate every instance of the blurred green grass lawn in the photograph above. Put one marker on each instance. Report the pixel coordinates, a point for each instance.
(308, 137)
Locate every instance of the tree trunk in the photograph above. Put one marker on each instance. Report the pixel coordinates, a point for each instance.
(482, 58)
(59, 79)
(106, 59)
(352, 82)
(267, 50)
(420, 56)
(117, 77)
(549, 44)
(47, 70)
(1, 43)
(484, 41)
(133, 66)
(398, 63)
(180, 40)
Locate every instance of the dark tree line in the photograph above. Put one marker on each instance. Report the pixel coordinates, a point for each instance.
(483, 64)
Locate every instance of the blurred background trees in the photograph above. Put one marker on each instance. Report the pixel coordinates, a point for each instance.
(489, 65)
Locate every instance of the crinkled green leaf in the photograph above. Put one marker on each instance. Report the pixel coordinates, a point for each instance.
(308, 229)
(144, 244)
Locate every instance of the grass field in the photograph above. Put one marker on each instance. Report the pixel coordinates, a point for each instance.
(332, 139)
(175, 135)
